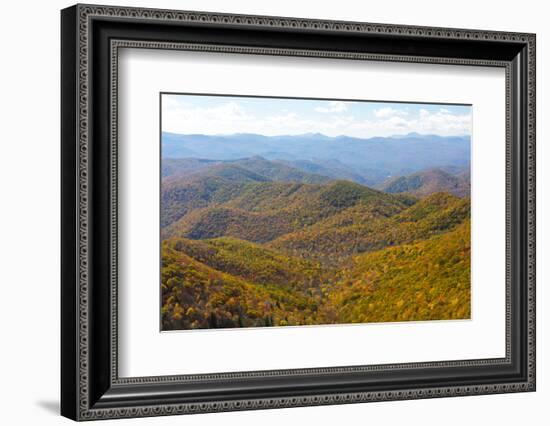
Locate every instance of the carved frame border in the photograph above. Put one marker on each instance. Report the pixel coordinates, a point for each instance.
(87, 12)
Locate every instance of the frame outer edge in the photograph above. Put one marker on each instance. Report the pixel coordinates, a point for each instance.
(68, 152)
(83, 184)
(531, 200)
(83, 13)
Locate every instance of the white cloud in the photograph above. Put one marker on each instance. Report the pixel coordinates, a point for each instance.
(333, 106)
(231, 117)
(441, 122)
(386, 112)
(424, 113)
(179, 117)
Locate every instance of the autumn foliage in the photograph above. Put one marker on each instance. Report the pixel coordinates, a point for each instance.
(243, 249)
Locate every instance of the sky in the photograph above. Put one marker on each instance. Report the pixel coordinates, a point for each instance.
(224, 115)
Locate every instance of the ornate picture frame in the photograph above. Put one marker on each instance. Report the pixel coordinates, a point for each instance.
(91, 38)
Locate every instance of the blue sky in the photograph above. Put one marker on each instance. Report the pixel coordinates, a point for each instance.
(198, 114)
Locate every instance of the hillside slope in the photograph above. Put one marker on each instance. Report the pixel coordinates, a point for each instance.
(243, 247)
(278, 171)
(428, 280)
(190, 183)
(195, 295)
(252, 262)
(358, 230)
(264, 211)
(427, 182)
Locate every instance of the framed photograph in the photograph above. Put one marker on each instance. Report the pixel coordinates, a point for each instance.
(263, 212)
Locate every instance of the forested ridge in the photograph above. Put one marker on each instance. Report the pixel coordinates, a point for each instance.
(260, 243)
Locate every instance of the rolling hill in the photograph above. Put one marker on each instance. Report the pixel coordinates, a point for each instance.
(263, 211)
(180, 196)
(251, 242)
(372, 159)
(426, 182)
(278, 171)
(336, 170)
(189, 184)
(179, 167)
(268, 267)
(195, 295)
(354, 231)
(428, 280)
(272, 170)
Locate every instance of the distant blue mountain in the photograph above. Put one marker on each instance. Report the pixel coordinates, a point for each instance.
(382, 156)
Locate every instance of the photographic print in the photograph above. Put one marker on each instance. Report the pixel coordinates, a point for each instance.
(296, 212)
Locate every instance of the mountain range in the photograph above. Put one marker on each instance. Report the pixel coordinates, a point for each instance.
(250, 242)
(368, 161)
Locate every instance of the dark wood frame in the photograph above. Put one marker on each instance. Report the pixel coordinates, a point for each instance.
(91, 37)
